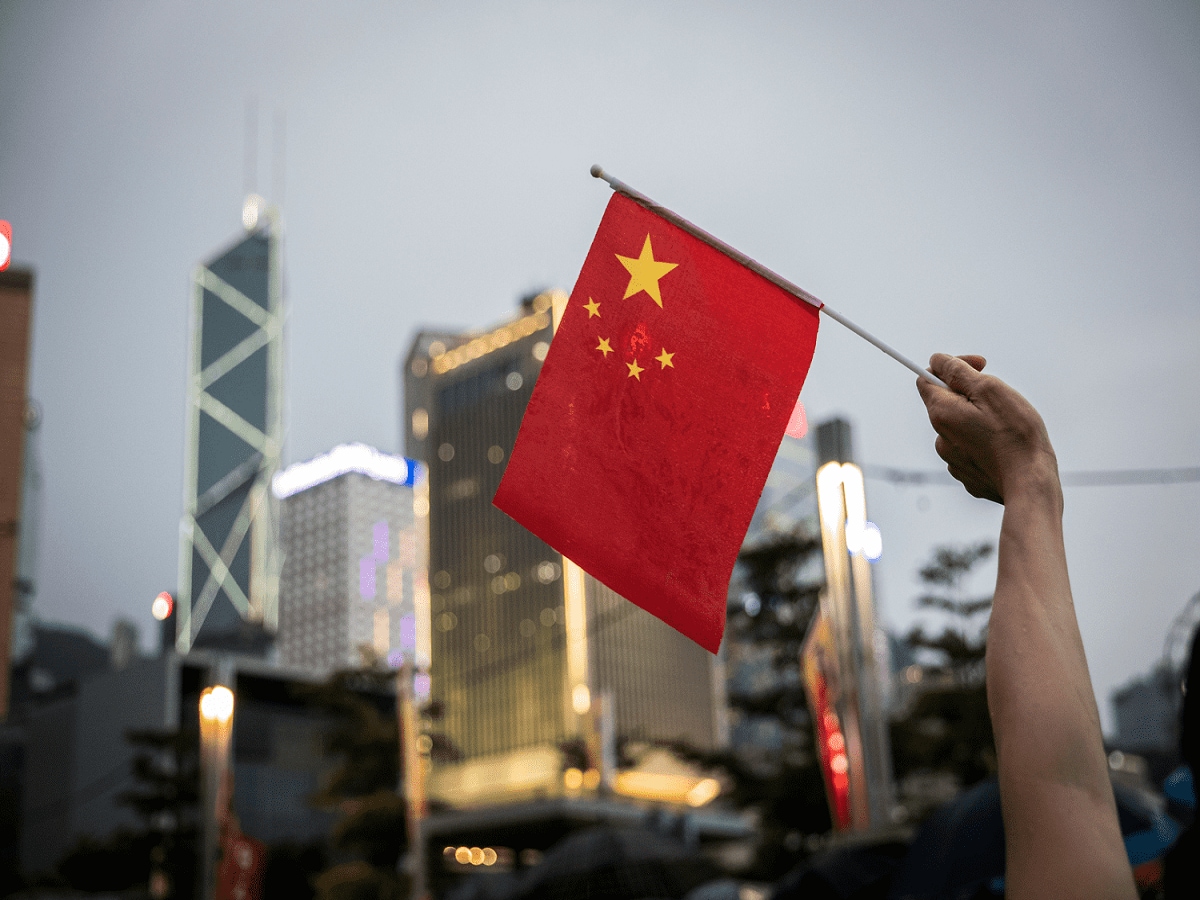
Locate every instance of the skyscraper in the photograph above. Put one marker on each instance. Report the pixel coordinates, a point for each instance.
(354, 573)
(528, 653)
(228, 561)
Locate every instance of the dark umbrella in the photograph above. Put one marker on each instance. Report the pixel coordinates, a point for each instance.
(608, 863)
(958, 854)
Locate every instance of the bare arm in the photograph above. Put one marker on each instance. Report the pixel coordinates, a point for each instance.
(1060, 819)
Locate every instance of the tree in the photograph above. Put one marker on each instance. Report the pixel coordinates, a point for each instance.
(370, 834)
(165, 797)
(767, 622)
(947, 728)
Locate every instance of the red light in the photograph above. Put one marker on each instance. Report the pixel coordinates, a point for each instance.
(163, 606)
(5, 244)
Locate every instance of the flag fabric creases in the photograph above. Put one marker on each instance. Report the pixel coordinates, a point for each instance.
(657, 416)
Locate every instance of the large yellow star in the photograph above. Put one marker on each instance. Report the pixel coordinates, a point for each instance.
(665, 358)
(592, 307)
(635, 371)
(644, 272)
(604, 347)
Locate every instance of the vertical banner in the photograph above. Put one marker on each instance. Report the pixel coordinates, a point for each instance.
(819, 668)
(243, 861)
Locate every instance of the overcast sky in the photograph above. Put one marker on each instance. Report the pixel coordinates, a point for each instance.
(1016, 180)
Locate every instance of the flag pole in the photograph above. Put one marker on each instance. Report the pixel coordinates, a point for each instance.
(758, 268)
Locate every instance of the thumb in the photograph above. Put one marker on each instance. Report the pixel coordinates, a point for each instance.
(961, 375)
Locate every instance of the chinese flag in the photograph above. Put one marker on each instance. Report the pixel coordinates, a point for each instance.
(657, 415)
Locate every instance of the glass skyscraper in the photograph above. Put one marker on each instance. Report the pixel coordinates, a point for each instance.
(528, 653)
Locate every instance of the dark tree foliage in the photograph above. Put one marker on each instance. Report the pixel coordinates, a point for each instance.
(165, 797)
(947, 728)
(292, 870)
(369, 836)
(119, 862)
(769, 621)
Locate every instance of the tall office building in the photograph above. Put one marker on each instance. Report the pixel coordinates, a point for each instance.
(228, 558)
(16, 308)
(352, 529)
(528, 653)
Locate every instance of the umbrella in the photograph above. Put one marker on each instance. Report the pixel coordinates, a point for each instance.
(958, 854)
(608, 863)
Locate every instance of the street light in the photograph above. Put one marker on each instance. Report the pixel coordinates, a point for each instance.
(849, 542)
(216, 731)
(216, 706)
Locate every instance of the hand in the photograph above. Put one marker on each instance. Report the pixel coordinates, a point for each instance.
(991, 438)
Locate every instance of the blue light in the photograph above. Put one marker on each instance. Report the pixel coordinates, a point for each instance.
(872, 542)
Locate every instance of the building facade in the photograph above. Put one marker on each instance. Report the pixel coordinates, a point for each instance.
(354, 584)
(528, 653)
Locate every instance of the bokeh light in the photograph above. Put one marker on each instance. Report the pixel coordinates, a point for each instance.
(162, 606)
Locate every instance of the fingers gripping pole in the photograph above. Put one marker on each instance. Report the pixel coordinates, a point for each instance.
(758, 268)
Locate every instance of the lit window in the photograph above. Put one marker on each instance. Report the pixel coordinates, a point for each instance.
(420, 421)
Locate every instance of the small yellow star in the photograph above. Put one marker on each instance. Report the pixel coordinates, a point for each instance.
(604, 347)
(665, 358)
(635, 371)
(592, 307)
(644, 272)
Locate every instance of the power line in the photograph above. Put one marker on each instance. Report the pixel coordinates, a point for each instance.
(1090, 478)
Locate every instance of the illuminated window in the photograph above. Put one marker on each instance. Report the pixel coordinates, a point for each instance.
(420, 421)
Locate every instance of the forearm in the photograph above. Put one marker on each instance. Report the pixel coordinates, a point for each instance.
(1056, 795)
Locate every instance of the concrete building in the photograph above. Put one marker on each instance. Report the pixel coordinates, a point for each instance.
(1147, 713)
(528, 653)
(354, 572)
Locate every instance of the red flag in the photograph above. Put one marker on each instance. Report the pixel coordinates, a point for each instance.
(657, 415)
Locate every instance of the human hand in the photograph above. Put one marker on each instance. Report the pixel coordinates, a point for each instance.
(991, 438)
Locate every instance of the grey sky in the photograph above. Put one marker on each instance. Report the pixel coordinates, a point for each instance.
(1016, 180)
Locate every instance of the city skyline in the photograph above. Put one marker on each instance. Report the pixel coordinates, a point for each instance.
(1020, 182)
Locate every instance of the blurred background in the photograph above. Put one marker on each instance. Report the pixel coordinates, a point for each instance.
(1019, 181)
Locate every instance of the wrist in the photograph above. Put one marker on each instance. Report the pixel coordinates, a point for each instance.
(1035, 481)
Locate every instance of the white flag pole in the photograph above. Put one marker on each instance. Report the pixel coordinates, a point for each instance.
(758, 268)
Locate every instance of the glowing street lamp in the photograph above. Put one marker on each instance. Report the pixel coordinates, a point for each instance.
(216, 706)
(216, 732)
